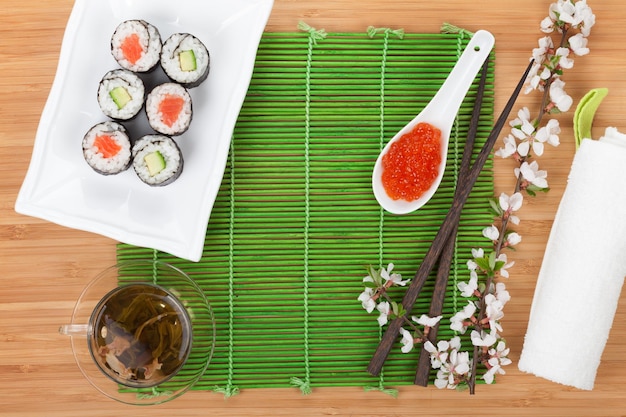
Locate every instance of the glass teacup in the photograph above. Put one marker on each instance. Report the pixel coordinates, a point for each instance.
(142, 332)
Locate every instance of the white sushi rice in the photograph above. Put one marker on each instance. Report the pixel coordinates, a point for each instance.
(149, 38)
(170, 62)
(155, 118)
(170, 152)
(133, 85)
(96, 159)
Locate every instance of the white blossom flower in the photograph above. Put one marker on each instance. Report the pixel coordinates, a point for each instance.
(441, 381)
(500, 353)
(491, 233)
(452, 364)
(578, 15)
(460, 362)
(532, 174)
(426, 321)
(564, 61)
(537, 79)
(468, 288)
(472, 265)
(438, 354)
(393, 277)
(501, 293)
(523, 130)
(490, 374)
(478, 252)
(407, 340)
(458, 321)
(458, 365)
(511, 204)
(513, 239)
(558, 96)
(509, 149)
(493, 311)
(504, 270)
(498, 359)
(482, 338)
(384, 308)
(366, 300)
(533, 80)
(545, 44)
(524, 148)
(523, 115)
(547, 25)
(578, 44)
(549, 133)
(586, 16)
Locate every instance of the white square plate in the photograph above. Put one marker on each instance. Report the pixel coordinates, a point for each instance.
(60, 187)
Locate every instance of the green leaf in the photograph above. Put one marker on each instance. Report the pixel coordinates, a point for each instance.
(494, 203)
(375, 274)
(498, 265)
(492, 261)
(482, 263)
(533, 190)
(462, 387)
(401, 310)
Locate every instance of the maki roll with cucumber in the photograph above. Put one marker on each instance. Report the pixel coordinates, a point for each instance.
(185, 59)
(136, 45)
(157, 160)
(169, 109)
(107, 149)
(121, 94)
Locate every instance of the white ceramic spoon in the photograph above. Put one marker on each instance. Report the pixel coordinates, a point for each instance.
(440, 112)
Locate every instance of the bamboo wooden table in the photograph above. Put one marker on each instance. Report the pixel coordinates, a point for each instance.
(45, 266)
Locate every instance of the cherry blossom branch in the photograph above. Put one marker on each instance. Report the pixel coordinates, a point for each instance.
(485, 291)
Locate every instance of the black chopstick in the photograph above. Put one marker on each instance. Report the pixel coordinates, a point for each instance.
(449, 223)
(445, 260)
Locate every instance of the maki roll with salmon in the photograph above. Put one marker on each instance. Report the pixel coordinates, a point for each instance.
(185, 59)
(121, 94)
(169, 109)
(157, 160)
(107, 149)
(136, 45)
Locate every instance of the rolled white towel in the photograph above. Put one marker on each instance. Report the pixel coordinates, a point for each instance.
(583, 269)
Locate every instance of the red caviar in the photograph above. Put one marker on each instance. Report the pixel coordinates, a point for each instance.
(411, 165)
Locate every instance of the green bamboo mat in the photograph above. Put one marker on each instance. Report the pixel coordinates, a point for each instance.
(295, 221)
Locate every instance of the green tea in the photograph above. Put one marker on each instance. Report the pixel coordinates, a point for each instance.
(141, 335)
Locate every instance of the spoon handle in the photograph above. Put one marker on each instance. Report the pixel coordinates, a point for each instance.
(444, 106)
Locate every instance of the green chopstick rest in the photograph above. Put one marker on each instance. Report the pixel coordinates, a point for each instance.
(585, 112)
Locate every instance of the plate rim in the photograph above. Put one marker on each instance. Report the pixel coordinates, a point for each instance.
(190, 248)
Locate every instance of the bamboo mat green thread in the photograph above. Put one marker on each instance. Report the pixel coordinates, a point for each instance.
(295, 220)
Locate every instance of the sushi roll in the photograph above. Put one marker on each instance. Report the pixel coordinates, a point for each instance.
(157, 160)
(185, 59)
(136, 45)
(107, 149)
(169, 109)
(121, 94)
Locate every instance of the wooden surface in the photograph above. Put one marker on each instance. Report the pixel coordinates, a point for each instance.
(43, 267)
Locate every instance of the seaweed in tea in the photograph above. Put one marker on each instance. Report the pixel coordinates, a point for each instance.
(142, 335)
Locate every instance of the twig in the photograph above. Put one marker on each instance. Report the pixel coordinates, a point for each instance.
(445, 260)
(449, 223)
